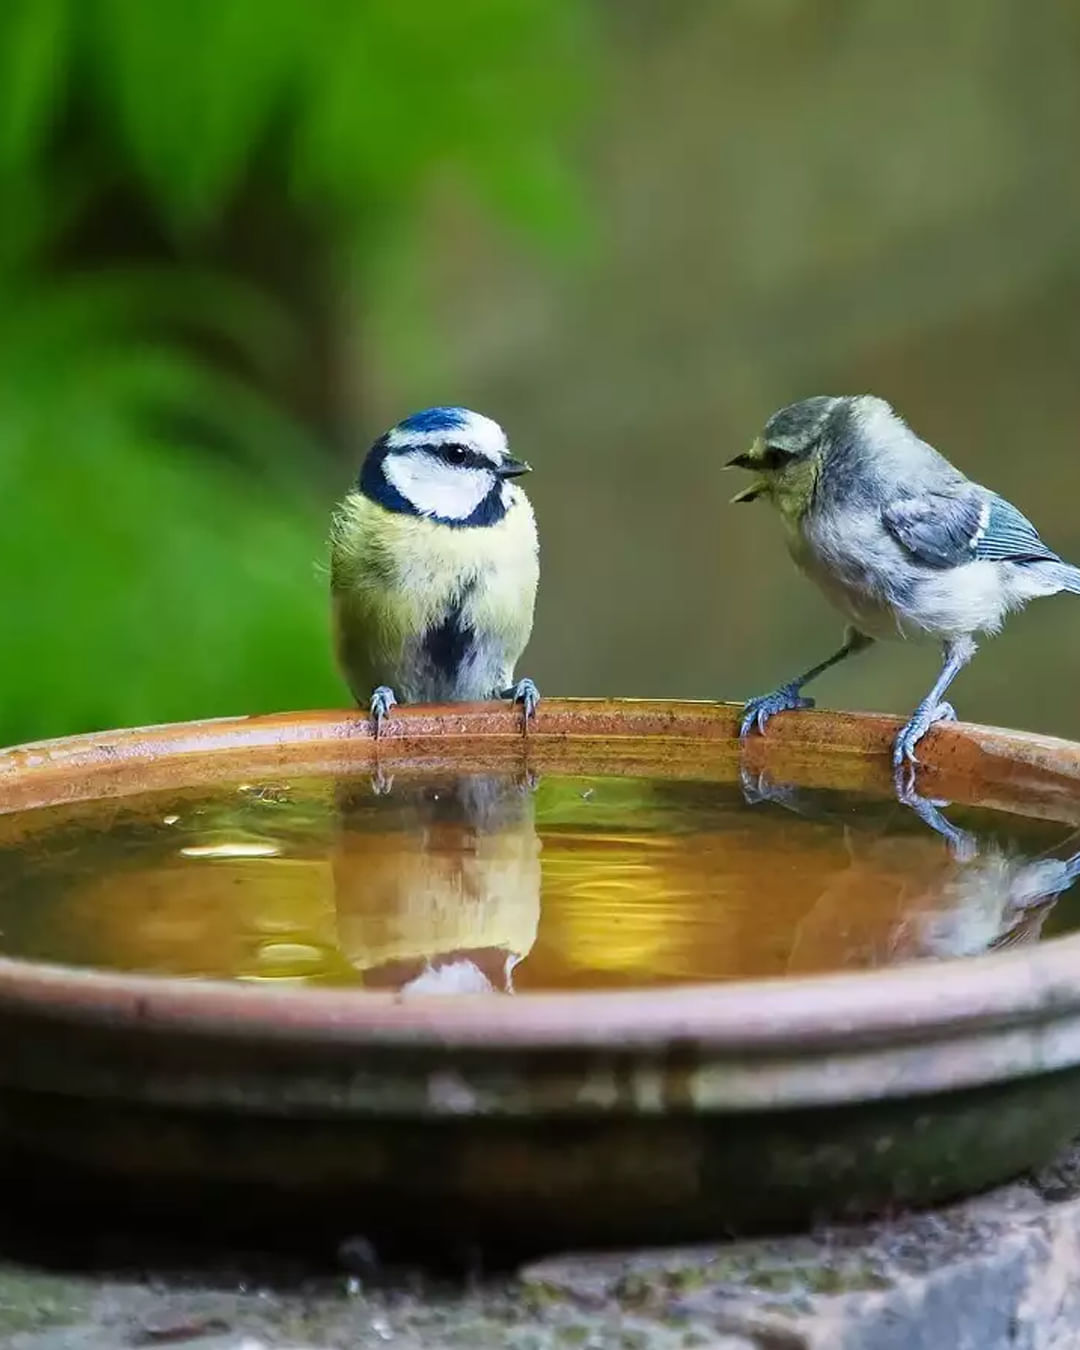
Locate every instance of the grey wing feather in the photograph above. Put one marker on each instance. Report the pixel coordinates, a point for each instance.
(947, 529)
(938, 529)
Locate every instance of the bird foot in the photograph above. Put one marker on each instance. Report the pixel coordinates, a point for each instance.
(526, 693)
(922, 719)
(962, 845)
(757, 711)
(758, 787)
(382, 700)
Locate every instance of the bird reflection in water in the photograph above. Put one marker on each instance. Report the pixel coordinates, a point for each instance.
(994, 898)
(899, 900)
(444, 898)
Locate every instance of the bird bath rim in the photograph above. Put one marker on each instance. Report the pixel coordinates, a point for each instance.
(812, 1039)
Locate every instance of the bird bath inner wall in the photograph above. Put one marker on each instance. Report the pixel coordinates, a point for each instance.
(643, 1074)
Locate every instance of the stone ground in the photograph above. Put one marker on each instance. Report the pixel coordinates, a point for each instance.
(1001, 1271)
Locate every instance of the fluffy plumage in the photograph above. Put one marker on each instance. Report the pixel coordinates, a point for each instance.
(900, 540)
(434, 566)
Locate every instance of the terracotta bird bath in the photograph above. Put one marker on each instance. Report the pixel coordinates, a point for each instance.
(447, 1089)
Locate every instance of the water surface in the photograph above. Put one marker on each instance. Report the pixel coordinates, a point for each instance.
(491, 883)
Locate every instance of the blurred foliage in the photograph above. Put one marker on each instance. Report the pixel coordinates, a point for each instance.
(164, 505)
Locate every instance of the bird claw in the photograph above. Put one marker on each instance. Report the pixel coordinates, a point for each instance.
(526, 693)
(904, 783)
(382, 700)
(755, 786)
(962, 845)
(757, 711)
(912, 732)
(758, 787)
(903, 780)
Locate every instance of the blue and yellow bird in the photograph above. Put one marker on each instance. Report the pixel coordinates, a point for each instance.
(903, 543)
(434, 564)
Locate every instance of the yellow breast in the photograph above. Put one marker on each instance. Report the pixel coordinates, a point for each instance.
(395, 575)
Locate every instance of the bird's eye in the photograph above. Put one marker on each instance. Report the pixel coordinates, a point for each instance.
(455, 454)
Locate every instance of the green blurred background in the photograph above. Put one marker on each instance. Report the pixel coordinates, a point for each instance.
(241, 237)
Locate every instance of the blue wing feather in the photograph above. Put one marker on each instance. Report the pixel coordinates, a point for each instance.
(1010, 535)
(946, 529)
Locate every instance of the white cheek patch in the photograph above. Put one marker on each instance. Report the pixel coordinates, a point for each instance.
(435, 488)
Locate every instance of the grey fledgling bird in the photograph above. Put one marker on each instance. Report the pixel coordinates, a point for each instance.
(897, 538)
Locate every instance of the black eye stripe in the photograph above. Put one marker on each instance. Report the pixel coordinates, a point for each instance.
(774, 458)
(460, 456)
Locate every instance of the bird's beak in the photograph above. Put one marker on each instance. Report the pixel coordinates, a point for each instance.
(747, 460)
(513, 468)
(743, 461)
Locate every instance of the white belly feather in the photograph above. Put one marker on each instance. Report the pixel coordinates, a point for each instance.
(886, 594)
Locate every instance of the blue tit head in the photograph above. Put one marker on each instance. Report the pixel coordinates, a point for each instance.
(787, 454)
(448, 465)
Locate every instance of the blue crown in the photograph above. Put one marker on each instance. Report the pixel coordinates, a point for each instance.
(436, 419)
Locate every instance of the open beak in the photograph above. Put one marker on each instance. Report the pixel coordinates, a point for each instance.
(513, 468)
(747, 460)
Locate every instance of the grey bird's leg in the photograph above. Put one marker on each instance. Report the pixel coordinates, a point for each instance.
(757, 711)
(525, 693)
(382, 700)
(957, 653)
(962, 845)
